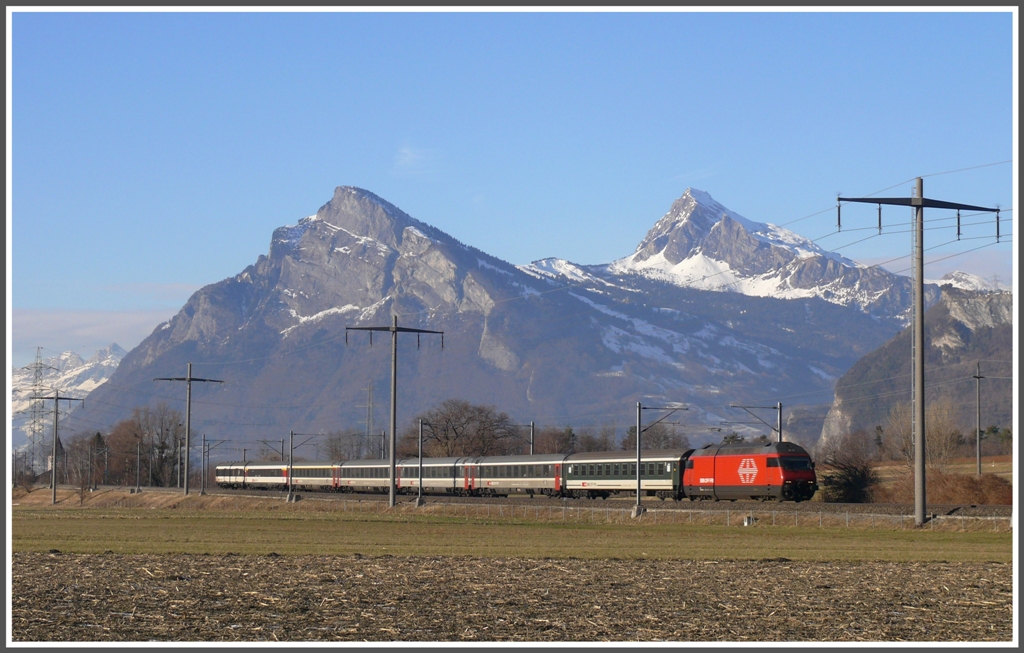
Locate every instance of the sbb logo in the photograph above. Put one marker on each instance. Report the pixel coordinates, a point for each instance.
(747, 470)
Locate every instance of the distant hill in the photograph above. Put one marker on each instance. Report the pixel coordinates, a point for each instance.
(961, 330)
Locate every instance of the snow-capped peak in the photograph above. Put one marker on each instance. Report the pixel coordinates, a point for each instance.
(700, 243)
(966, 281)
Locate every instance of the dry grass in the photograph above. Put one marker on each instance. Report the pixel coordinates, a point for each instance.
(949, 488)
(173, 524)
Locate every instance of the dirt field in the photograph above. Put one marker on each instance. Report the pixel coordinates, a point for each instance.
(176, 597)
(81, 598)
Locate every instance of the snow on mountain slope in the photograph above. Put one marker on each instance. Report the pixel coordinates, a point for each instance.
(65, 372)
(702, 244)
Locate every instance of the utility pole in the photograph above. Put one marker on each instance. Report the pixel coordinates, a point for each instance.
(291, 455)
(369, 412)
(208, 446)
(267, 443)
(202, 468)
(638, 509)
(188, 379)
(523, 426)
(419, 484)
(34, 428)
(918, 202)
(395, 330)
(780, 421)
(56, 439)
(977, 432)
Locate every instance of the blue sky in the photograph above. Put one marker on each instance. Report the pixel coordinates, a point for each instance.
(150, 154)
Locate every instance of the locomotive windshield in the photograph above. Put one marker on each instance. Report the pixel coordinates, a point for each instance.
(795, 464)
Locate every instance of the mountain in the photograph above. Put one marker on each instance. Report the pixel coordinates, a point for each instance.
(552, 342)
(970, 282)
(66, 373)
(962, 329)
(701, 244)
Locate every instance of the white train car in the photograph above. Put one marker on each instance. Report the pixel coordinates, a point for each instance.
(505, 475)
(364, 476)
(440, 475)
(255, 475)
(316, 475)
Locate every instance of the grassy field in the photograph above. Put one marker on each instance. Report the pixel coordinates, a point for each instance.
(296, 529)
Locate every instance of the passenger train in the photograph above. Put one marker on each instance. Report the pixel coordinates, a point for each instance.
(780, 471)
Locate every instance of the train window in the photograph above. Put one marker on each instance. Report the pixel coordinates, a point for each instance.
(689, 463)
(668, 467)
(661, 468)
(773, 462)
(632, 469)
(795, 463)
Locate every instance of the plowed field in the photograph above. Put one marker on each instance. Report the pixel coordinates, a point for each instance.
(80, 598)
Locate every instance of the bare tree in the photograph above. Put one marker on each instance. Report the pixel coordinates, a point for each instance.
(343, 445)
(849, 474)
(603, 440)
(897, 438)
(555, 440)
(943, 436)
(656, 436)
(458, 428)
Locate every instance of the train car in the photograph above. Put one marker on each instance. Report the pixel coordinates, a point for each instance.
(255, 475)
(505, 475)
(602, 474)
(364, 476)
(770, 471)
(440, 475)
(316, 475)
(230, 475)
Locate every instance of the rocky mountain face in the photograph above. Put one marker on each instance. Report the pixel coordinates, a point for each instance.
(701, 244)
(551, 342)
(960, 331)
(66, 373)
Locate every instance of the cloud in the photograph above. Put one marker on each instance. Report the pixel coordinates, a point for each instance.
(83, 332)
(410, 161)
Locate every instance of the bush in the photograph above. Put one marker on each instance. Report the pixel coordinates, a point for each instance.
(849, 483)
(946, 488)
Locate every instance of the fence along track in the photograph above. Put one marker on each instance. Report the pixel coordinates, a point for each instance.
(610, 515)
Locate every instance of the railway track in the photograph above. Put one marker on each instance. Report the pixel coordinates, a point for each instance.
(626, 502)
